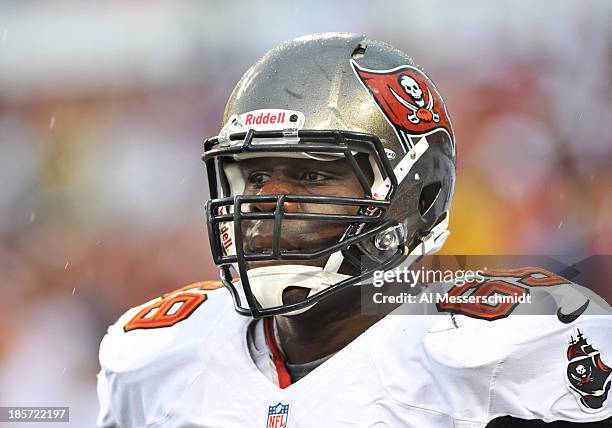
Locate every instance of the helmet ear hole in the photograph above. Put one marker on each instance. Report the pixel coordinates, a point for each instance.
(428, 196)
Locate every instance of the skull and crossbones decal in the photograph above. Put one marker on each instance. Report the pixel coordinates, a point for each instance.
(408, 99)
(582, 377)
(420, 110)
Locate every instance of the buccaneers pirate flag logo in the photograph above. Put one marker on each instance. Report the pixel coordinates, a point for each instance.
(587, 376)
(408, 99)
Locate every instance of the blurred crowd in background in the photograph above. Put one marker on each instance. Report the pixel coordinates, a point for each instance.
(104, 108)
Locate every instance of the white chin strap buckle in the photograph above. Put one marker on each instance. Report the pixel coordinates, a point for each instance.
(432, 242)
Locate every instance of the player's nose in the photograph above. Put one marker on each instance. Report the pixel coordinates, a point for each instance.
(275, 186)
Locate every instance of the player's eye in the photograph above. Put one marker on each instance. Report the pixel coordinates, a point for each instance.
(258, 178)
(312, 176)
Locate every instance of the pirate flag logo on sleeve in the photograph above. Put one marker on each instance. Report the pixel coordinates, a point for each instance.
(408, 99)
(588, 377)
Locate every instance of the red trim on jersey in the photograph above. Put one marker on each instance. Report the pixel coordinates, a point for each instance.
(278, 358)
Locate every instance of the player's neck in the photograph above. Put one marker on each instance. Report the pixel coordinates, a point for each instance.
(304, 341)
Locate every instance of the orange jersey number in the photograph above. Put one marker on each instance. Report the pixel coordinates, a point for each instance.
(514, 283)
(172, 307)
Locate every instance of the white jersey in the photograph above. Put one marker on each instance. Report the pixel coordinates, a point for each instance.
(183, 361)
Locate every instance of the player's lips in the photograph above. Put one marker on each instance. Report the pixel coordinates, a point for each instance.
(261, 244)
(296, 237)
(259, 238)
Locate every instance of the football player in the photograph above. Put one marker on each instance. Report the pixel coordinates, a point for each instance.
(336, 160)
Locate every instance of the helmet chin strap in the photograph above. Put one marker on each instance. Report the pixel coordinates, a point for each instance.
(433, 241)
(270, 282)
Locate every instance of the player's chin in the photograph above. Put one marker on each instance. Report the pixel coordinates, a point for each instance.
(293, 295)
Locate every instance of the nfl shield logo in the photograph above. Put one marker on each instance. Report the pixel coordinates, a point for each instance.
(278, 415)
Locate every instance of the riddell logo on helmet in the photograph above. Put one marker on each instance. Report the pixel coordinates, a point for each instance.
(224, 231)
(226, 239)
(264, 118)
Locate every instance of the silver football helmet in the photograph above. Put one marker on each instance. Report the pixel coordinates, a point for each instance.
(327, 97)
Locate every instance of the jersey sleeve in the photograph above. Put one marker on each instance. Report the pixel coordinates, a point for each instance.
(105, 419)
(559, 367)
(119, 357)
(151, 354)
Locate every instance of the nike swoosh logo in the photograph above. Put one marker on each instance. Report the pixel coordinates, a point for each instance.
(571, 317)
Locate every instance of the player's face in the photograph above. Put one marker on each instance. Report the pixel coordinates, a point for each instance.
(287, 176)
